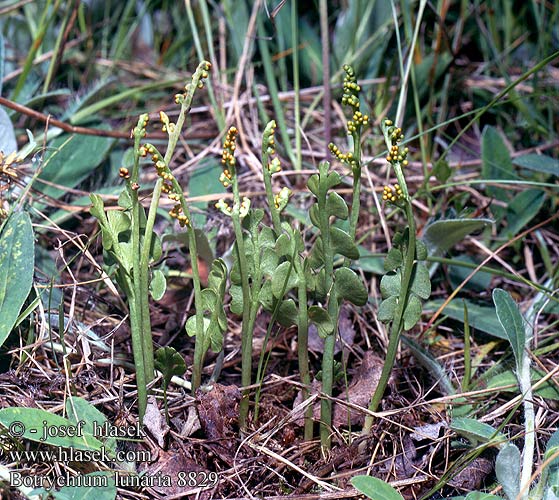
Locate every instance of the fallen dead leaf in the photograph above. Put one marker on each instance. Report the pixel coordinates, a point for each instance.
(471, 477)
(427, 431)
(174, 469)
(155, 422)
(218, 412)
(358, 393)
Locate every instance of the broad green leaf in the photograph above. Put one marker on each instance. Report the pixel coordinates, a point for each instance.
(496, 162)
(350, 287)
(369, 262)
(538, 163)
(333, 179)
(190, 325)
(288, 313)
(312, 184)
(102, 488)
(98, 207)
(479, 495)
(400, 238)
(432, 64)
(343, 244)
(552, 485)
(374, 488)
(316, 255)
(477, 432)
(336, 206)
(284, 245)
(156, 249)
(360, 36)
(124, 200)
(253, 219)
(420, 250)
(284, 279)
(310, 56)
(170, 363)
(479, 282)
(79, 409)
(113, 223)
(265, 297)
(320, 317)
(218, 276)
(551, 448)
(393, 259)
(420, 281)
(387, 309)
(158, 284)
(412, 313)
(313, 214)
(522, 209)
(507, 470)
(480, 317)
(236, 306)
(237, 16)
(70, 162)
(215, 321)
(441, 235)
(208, 299)
(204, 182)
(34, 420)
(319, 285)
(8, 142)
(17, 257)
(391, 284)
(515, 327)
(548, 390)
(125, 255)
(442, 171)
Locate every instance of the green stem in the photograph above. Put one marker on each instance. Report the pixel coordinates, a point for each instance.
(529, 421)
(137, 345)
(254, 305)
(137, 303)
(246, 333)
(356, 193)
(467, 352)
(303, 345)
(397, 324)
(148, 234)
(274, 212)
(333, 308)
(144, 312)
(201, 343)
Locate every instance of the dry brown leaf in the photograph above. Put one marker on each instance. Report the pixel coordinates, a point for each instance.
(358, 393)
(155, 422)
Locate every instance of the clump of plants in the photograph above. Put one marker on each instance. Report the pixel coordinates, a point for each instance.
(406, 281)
(131, 247)
(270, 259)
